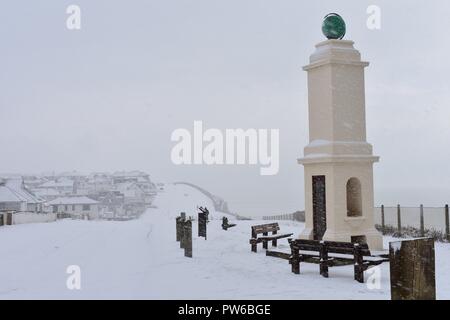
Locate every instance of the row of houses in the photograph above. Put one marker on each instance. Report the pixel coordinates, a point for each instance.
(121, 195)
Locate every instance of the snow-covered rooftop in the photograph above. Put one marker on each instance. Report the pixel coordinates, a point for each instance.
(72, 200)
(55, 184)
(47, 192)
(13, 190)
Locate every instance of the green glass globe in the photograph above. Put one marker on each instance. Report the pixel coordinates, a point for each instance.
(333, 26)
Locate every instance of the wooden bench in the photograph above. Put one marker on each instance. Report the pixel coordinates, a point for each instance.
(264, 229)
(226, 225)
(331, 253)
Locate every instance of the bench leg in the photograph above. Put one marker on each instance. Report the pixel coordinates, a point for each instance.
(296, 267)
(254, 248)
(359, 273)
(295, 262)
(324, 269)
(265, 242)
(274, 242)
(359, 266)
(324, 261)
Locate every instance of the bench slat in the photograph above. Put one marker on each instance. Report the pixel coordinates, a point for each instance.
(270, 227)
(277, 236)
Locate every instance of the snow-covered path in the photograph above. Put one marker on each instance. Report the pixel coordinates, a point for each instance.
(140, 259)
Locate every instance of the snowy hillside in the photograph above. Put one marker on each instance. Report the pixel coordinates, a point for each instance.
(141, 259)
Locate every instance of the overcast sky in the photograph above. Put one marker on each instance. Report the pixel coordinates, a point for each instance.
(107, 97)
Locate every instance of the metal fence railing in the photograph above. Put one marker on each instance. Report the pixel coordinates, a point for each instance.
(400, 221)
(416, 221)
(296, 216)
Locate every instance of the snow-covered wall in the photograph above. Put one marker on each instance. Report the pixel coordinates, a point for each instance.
(30, 217)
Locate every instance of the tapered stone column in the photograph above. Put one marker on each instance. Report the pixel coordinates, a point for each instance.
(338, 161)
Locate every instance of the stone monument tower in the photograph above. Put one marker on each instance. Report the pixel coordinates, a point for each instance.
(338, 161)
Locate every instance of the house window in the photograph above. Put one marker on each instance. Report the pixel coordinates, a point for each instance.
(73, 207)
(66, 208)
(86, 207)
(354, 200)
(55, 209)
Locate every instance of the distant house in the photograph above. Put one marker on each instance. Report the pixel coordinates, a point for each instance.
(98, 182)
(47, 194)
(130, 176)
(14, 196)
(72, 175)
(135, 198)
(32, 182)
(132, 191)
(63, 186)
(112, 204)
(78, 207)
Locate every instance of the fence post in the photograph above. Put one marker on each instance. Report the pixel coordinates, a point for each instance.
(179, 223)
(399, 220)
(382, 219)
(178, 226)
(447, 222)
(188, 238)
(422, 225)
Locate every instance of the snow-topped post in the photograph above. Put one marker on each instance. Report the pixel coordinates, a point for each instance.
(447, 222)
(338, 161)
(422, 224)
(187, 238)
(179, 226)
(203, 215)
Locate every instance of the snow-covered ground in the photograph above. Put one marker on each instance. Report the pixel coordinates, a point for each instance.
(140, 259)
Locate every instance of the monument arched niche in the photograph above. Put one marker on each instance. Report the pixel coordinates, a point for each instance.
(354, 198)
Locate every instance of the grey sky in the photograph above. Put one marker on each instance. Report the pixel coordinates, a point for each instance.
(107, 97)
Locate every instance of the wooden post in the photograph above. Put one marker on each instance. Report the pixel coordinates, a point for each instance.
(399, 220)
(447, 223)
(422, 225)
(323, 260)
(382, 219)
(295, 258)
(182, 234)
(274, 242)
(265, 234)
(188, 239)
(412, 269)
(254, 245)
(202, 221)
(359, 264)
(179, 223)
(178, 227)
